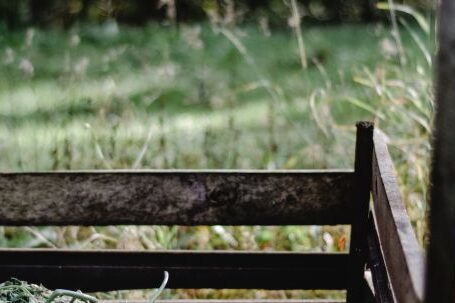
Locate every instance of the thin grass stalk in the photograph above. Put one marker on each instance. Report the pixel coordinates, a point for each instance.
(67, 153)
(145, 147)
(158, 292)
(163, 138)
(296, 19)
(396, 33)
(234, 140)
(98, 149)
(273, 145)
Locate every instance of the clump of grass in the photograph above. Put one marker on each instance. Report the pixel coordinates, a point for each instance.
(16, 291)
(401, 101)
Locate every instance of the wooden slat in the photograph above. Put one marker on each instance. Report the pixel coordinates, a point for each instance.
(440, 286)
(362, 185)
(114, 270)
(176, 198)
(231, 301)
(368, 291)
(402, 254)
(380, 279)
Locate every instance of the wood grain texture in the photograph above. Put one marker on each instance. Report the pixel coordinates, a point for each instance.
(231, 301)
(114, 270)
(176, 198)
(440, 286)
(402, 254)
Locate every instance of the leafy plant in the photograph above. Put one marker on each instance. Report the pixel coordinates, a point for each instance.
(17, 291)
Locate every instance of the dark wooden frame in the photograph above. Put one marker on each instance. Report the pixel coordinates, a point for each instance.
(396, 246)
(111, 270)
(381, 237)
(176, 198)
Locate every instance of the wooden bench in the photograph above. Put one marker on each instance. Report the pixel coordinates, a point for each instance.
(384, 257)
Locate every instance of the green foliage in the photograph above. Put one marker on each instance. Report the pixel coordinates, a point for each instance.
(68, 12)
(152, 98)
(16, 291)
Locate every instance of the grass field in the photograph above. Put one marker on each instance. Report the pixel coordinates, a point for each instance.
(204, 97)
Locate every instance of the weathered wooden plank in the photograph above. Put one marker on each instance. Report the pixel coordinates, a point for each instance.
(362, 185)
(402, 255)
(440, 286)
(380, 279)
(114, 270)
(232, 301)
(176, 198)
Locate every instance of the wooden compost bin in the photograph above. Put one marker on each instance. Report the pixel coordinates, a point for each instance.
(385, 262)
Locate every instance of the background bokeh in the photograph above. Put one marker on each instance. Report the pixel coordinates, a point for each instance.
(67, 12)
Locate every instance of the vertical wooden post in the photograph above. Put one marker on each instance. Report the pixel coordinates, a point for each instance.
(361, 199)
(440, 285)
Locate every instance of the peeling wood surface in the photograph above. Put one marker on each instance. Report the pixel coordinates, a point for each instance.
(114, 270)
(176, 198)
(402, 254)
(440, 285)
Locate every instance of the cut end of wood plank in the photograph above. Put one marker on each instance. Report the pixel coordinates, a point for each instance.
(365, 124)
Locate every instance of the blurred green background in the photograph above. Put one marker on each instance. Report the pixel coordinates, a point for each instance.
(67, 12)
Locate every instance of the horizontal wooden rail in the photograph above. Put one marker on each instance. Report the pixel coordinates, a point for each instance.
(232, 301)
(114, 270)
(402, 254)
(176, 198)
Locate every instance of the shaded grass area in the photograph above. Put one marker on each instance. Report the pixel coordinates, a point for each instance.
(202, 97)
